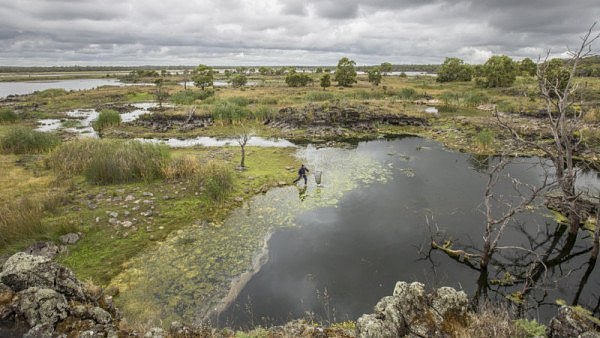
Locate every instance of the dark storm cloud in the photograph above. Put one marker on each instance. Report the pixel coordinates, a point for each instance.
(285, 31)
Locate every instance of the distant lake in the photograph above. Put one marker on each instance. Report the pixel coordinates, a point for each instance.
(28, 87)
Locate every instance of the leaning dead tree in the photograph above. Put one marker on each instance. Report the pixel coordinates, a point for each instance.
(499, 212)
(563, 119)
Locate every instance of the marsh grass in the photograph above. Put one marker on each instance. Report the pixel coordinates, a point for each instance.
(22, 140)
(21, 220)
(190, 96)
(110, 161)
(183, 167)
(217, 179)
(229, 111)
(107, 118)
(318, 96)
(8, 116)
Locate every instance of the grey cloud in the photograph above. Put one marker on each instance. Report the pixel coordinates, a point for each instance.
(285, 31)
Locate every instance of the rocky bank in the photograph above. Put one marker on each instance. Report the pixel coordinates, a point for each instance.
(40, 298)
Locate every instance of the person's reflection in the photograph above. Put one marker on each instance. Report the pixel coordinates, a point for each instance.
(302, 193)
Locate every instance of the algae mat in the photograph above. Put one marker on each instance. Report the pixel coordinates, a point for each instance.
(198, 270)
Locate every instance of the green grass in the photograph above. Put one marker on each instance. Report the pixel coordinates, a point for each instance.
(8, 116)
(217, 180)
(22, 140)
(110, 161)
(320, 96)
(190, 96)
(107, 118)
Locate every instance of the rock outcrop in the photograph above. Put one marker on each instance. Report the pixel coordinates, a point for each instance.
(354, 118)
(163, 122)
(413, 312)
(50, 300)
(573, 322)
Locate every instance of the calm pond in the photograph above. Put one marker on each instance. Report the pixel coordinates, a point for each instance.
(333, 251)
(28, 87)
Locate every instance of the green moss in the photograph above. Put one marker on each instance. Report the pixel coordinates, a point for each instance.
(529, 328)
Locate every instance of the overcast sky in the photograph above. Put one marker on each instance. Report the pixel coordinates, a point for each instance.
(284, 32)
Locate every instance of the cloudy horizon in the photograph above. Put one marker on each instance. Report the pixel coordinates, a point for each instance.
(285, 32)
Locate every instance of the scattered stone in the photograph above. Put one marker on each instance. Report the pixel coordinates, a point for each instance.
(155, 332)
(238, 199)
(112, 214)
(120, 191)
(148, 194)
(97, 219)
(70, 238)
(146, 213)
(126, 213)
(126, 224)
(44, 249)
(91, 205)
(113, 221)
(136, 208)
(129, 198)
(147, 201)
(281, 183)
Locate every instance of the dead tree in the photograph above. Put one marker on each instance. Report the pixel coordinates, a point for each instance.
(563, 122)
(243, 136)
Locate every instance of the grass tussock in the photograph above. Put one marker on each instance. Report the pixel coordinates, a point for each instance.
(320, 96)
(8, 116)
(107, 118)
(490, 320)
(22, 140)
(21, 220)
(216, 178)
(110, 161)
(183, 167)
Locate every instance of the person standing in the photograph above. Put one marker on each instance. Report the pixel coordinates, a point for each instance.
(302, 174)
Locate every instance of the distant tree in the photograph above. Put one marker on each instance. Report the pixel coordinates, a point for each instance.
(386, 68)
(265, 71)
(186, 78)
(325, 81)
(345, 74)
(238, 80)
(203, 76)
(294, 79)
(454, 69)
(374, 75)
(241, 70)
(280, 71)
(319, 70)
(556, 77)
(163, 73)
(528, 67)
(227, 73)
(160, 93)
(498, 71)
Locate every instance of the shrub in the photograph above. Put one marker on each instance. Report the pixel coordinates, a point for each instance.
(22, 140)
(217, 180)
(110, 161)
(8, 116)
(319, 96)
(107, 118)
(362, 94)
(190, 96)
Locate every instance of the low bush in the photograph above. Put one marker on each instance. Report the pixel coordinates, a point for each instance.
(107, 118)
(190, 96)
(110, 161)
(8, 116)
(22, 140)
